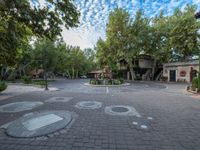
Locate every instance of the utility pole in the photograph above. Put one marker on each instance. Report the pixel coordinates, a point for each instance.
(197, 16)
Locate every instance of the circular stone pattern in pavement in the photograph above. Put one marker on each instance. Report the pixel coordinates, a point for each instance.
(121, 110)
(88, 105)
(39, 124)
(19, 106)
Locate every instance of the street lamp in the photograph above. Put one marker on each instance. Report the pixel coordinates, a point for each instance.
(197, 16)
(45, 67)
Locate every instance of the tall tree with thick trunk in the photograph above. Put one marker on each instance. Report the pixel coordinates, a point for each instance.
(126, 37)
(118, 37)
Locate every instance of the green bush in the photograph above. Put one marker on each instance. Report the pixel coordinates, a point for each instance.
(194, 83)
(27, 79)
(116, 82)
(107, 81)
(100, 82)
(93, 81)
(3, 86)
(121, 80)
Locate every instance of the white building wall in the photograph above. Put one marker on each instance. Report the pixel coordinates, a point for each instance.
(180, 66)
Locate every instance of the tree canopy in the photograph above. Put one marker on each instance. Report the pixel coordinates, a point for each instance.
(20, 20)
(125, 38)
(164, 38)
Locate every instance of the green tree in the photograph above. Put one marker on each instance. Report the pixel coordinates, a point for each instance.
(157, 40)
(102, 53)
(126, 38)
(118, 37)
(184, 34)
(18, 16)
(44, 55)
(90, 60)
(75, 62)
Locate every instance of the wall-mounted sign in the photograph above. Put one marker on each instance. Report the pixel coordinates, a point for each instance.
(183, 73)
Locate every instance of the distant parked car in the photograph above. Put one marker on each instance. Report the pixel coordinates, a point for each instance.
(83, 77)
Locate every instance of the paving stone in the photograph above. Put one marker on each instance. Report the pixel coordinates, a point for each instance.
(175, 124)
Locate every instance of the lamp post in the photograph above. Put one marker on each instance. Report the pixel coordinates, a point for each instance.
(197, 16)
(45, 67)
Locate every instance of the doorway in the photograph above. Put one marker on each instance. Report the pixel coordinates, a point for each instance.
(172, 75)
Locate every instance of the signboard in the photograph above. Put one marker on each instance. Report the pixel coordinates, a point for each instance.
(183, 73)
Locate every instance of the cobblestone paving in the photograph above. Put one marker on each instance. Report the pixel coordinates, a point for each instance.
(174, 122)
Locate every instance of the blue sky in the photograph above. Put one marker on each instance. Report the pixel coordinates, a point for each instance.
(94, 16)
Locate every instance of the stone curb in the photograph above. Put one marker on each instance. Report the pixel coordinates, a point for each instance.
(188, 89)
(36, 86)
(125, 84)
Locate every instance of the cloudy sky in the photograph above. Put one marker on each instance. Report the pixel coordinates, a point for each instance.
(94, 16)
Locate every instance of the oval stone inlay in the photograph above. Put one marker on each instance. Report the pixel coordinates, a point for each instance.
(39, 124)
(88, 105)
(121, 110)
(19, 106)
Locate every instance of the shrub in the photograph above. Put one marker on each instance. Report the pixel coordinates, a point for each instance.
(110, 82)
(3, 86)
(106, 81)
(194, 83)
(100, 82)
(93, 81)
(116, 82)
(27, 79)
(121, 80)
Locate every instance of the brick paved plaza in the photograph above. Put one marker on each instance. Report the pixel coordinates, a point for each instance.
(169, 118)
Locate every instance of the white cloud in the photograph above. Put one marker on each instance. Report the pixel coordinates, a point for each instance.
(94, 15)
(82, 37)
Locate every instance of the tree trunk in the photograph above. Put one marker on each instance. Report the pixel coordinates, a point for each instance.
(69, 74)
(131, 70)
(2, 73)
(77, 74)
(154, 68)
(72, 73)
(45, 78)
